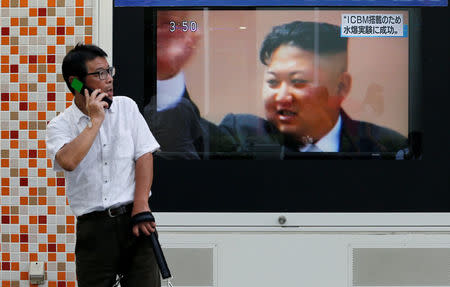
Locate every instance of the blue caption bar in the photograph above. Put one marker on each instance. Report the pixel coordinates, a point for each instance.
(176, 3)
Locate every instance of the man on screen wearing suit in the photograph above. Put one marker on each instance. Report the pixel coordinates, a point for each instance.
(305, 82)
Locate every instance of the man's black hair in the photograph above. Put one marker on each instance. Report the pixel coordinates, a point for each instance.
(320, 38)
(74, 63)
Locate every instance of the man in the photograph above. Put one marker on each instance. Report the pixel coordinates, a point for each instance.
(305, 82)
(105, 151)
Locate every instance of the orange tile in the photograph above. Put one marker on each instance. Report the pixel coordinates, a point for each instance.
(60, 191)
(5, 69)
(14, 50)
(41, 116)
(88, 39)
(33, 191)
(15, 266)
(5, 162)
(32, 219)
(5, 3)
(14, 97)
(41, 143)
(70, 284)
(32, 106)
(32, 31)
(42, 21)
(51, 68)
(23, 31)
(5, 256)
(42, 247)
(49, 163)
(51, 283)
(5, 191)
(14, 21)
(23, 3)
(23, 171)
(6, 283)
(70, 229)
(42, 228)
(79, 12)
(69, 97)
(51, 238)
(32, 134)
(70, 257)
(5, 59)
(42, 200)
(5, 181)
(32, 162)
(23, 88)
(69, 31)
(42, 78)
(5, 134)
(88, 21)
(51, 106)
(23, 97)
(68, 105)
(14, 219)
(23, 125)
(42, 59)
(60, 21)
(23, 153)
(5, 107)
(70, 219)
(42, 172)
(61, 247)
(5, 209)
(24, 247)
(24, 276)
(23, 59)
(51, 49)
(51, 3)
(33, 12)
(33, 257)
(51, 30)
(15, 238)
(14, 78)
(23, 200)
(51, 209)
(42, 153)
(51, 87)
(14, 144)
(51, 181)
(24, 229)
(60, 40)
(5, 40)
(79, 3)
(61, 276)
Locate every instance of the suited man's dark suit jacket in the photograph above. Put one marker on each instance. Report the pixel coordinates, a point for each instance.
(251, 133)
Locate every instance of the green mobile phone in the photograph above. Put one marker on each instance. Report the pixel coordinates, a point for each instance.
(79, 86)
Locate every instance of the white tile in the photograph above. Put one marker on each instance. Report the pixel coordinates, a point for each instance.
(79, 30)
(42, 50)
(5, 50)
(14, 59)
(5, 22)
(15, 200)
(22, 77)
(42, 87)
(23, 135)
(42, 257)
(23, 12)
(32, 78)
(51, 21)
(41, 31)
(32, 21)
(33, 50)
(51, 228)
(42, 3)
(70, 3)
(61, 11)
(70, 21)
(13, 88)
(51, 40)
(14, 12)
(32, 3)
(14, 31)
(33, 40)
(23, 50)
(25, 40)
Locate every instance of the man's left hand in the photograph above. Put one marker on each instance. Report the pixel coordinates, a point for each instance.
(143, 227)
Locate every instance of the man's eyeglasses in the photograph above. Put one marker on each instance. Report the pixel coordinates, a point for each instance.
(103, 74)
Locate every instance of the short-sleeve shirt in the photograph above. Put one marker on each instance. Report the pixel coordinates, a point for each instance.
(106, 175)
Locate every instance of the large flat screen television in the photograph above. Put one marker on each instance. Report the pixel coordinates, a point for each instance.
(302, 110)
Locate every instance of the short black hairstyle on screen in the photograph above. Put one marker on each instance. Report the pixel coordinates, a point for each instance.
(74, 63)
(303, 35)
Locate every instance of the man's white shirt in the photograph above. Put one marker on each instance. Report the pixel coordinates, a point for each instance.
(329, 143)
(106, 175)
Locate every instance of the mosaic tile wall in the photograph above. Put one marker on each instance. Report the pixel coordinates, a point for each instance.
(36, 222)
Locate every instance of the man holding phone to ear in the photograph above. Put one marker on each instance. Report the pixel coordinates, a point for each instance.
(104, 147)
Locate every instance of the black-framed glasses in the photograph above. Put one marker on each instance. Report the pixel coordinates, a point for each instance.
(103, 74)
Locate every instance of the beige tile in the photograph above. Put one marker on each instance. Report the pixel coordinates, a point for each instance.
(61, 3)
(14, 210)
(59, 78)
(14, 41)
(14, 3)
(60, 229)
(5, 153)
(5, 237)
(78, 21)
(60, 174)
(23, 21)
(32, 125)
(32, 200)
(14, 172)
(61, 266)
(51, 11)
(32, 87)
(88, 30)
(42, 125)
(14, 116)
(5, 12)
(15, 284)
(42, 191)
(42, 68)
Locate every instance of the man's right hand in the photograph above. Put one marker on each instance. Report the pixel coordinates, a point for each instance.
(95, 106)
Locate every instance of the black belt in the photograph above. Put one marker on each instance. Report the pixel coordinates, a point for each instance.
(110, 212)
